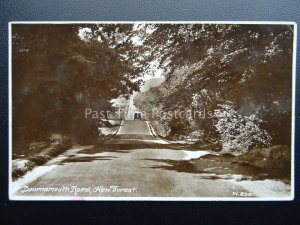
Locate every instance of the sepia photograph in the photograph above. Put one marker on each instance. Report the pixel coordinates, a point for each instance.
(155, 111)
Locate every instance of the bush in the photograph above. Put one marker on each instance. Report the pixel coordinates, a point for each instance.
(41, 152)
(239, 133)
(20, 167)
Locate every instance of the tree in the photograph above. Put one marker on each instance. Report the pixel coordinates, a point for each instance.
(248, 65)
(56, 75)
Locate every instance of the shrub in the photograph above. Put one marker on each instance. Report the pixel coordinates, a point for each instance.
(239, 133)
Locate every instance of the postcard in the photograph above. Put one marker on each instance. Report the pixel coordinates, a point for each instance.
(155, 111)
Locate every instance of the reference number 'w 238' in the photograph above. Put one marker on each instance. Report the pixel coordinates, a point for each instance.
(242, 194)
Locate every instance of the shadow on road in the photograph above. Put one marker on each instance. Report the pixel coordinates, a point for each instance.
(209, 169)
(177, 165)
(124, 146)
(85, 159)
(125, 137)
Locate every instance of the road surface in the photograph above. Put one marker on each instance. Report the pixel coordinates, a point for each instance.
(132, 164)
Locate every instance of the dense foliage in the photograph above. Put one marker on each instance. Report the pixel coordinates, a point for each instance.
(247, 68)
(56, 74)
(59, 70)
